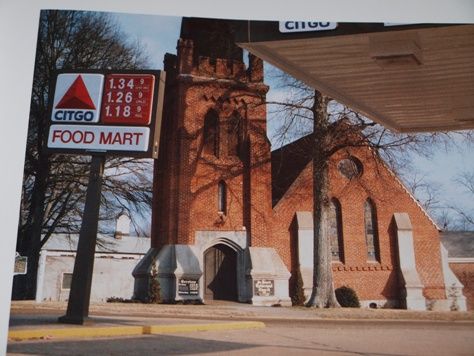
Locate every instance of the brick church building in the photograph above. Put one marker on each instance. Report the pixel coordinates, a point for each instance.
(233, 220)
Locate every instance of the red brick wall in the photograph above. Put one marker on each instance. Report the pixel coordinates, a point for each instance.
(371, 280)
(191, 173)
(465, 274)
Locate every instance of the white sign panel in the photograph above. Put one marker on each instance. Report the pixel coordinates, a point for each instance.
(99, 138)
(301, 26)
(77, 98)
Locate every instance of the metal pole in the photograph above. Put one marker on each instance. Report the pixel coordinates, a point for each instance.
(79, 295)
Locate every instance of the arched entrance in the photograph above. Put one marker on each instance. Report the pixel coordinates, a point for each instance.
(220, 273)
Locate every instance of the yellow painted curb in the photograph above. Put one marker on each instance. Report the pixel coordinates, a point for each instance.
(75, 332)
(162, 329)
(18, 335)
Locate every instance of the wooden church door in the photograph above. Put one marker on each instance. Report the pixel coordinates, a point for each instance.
(220, 273)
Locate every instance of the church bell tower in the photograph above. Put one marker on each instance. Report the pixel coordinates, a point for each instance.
(212, 212)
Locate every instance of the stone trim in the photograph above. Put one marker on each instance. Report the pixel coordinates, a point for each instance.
(412, 287)
(460, 259)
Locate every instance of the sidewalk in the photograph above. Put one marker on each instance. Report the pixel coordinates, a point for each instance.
(45, 327)
(29, 320)
(39, 320)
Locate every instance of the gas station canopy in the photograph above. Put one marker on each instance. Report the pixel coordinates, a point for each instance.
(410, 78)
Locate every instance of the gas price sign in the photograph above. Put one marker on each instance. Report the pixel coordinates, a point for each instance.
(117, 112)
(128, 99)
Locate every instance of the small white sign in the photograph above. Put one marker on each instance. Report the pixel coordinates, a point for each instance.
(301, 26)
(99, 138)
(21, 264)
(77, 98)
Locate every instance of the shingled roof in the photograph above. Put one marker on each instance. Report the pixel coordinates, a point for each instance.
(460, 244)
(287, 164)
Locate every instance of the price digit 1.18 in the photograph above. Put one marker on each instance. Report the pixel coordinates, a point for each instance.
(118, 111)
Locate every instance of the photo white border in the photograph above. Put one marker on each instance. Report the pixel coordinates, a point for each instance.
(18, 32)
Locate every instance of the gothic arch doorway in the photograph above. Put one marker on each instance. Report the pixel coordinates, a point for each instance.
(220, 273)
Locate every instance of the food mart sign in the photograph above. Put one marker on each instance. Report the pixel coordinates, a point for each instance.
(107, 112)
(99, 137)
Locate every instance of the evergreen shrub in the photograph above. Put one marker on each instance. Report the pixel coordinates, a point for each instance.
(297, 297)
(347, 297)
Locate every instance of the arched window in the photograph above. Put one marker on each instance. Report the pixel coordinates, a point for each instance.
(371, 234)
(222, 197)
(335, 230)
(234, 134)
(211, 133)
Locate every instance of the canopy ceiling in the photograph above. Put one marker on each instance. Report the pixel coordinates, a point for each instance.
(409, 78)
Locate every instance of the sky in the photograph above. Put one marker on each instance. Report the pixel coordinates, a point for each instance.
(159, 34)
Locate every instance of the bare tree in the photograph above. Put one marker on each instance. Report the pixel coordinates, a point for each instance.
(54, 185)
(335, 127)
(465, 217)
(426, 191)
(449, 215)
(466, 179)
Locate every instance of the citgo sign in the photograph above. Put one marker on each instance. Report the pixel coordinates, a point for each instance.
(76, 101)
(109, 112)
(301, 26)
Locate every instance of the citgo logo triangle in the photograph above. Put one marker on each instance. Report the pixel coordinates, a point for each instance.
(76, 97)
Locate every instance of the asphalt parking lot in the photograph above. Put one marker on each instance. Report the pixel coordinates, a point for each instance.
(238, 329)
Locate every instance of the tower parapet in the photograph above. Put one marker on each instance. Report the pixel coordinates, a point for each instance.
(185, 54)
(221, 68)
(207, 48)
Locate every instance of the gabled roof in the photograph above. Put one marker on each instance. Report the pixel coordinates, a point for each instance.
(287, 163)
(460, 244)
(125, 245)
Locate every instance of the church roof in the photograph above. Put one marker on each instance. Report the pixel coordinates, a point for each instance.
(107, 244)
(460, 244)
(287, 163)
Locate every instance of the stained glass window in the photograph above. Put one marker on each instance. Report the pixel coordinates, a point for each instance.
(335, 230)
(371, 236)
(222, 198)
(350, 167)
(234, 134)
(211, 133)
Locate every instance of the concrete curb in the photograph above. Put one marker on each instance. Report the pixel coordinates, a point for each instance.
(85, 332)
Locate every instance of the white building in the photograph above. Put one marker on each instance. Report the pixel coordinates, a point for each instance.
(113, 265)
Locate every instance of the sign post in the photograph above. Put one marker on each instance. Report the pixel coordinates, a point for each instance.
(99, 113)
(79, 295)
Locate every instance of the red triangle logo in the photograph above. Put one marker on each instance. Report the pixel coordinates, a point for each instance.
(76, 97)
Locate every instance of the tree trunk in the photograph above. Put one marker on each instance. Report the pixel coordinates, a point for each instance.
(30, 246)
(322, 295)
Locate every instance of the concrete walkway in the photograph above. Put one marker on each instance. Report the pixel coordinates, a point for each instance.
(30, 320)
